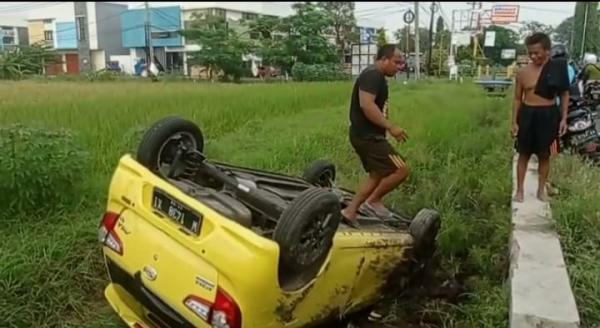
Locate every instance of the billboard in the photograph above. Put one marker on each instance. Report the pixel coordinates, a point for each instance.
(505, 14)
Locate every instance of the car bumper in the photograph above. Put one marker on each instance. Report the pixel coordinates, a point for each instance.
(135, 304)
(123, 304)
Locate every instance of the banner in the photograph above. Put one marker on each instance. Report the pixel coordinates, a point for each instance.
(505, 14)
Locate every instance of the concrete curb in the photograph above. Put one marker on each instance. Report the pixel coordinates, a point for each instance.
(540, 291)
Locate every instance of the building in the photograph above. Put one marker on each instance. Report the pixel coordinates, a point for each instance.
(84, 34)
(13, 33)
(171, 50)
(167, 43)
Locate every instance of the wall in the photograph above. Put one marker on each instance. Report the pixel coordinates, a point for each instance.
(65, 35)
(164, 19)
(35, 31)
(108, 25)
(98, 59)
(61, 11)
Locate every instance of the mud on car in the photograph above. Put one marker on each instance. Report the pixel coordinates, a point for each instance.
(190, 242)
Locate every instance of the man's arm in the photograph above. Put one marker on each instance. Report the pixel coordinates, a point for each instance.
(564, 104)
(517, 102)
(371, 110)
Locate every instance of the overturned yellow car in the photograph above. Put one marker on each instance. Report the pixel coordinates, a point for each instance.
(192, 243)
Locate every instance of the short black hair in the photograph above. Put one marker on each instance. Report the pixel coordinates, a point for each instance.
(539, 37)
(386, 51)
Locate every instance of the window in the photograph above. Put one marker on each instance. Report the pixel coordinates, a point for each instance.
(164, 35)
(81, 25)
(48, 36)
(249, 16)
(8, 40)
(47, 21)
(219, 12)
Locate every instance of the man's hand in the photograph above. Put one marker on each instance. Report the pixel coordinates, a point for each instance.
(563, 127)
(398, 133)
(515, 130)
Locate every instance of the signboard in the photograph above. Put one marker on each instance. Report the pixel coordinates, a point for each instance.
(505, 14)
(461, 39)
(367, 34)
(490, 39)
(508, 54)
(409, 17)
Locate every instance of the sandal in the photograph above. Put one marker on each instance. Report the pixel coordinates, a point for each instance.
(352, 223)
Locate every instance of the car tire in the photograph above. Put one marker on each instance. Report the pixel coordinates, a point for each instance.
(159, 142)
(424, 229)
(320, 173)
(314, 214)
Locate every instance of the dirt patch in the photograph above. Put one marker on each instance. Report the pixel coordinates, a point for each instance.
(407, 309)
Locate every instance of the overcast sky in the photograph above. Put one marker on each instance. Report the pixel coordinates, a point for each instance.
(388, 14)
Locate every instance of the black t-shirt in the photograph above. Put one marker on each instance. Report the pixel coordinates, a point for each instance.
(372, 81)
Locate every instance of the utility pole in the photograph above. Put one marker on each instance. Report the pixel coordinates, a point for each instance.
(430, 38)
(417, 47)
(83, 37)
(149, 40)
(584, 28)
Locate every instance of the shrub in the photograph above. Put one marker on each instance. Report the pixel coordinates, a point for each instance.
(40, 169)
(319, 72)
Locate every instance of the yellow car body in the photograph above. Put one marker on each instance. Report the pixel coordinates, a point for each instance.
(229, 272)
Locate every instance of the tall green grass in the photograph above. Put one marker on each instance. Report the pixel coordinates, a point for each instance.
(577, 214)
(458, 150)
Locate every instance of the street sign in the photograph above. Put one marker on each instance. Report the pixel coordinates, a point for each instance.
(490, 39)
(508, 54)
(409, 17)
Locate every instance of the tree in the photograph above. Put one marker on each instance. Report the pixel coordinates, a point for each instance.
(505, 39)
(423, 39)
(299, 38)
(381, 37)
(591, 31)
(439, 25)
(221, 48)
(564, 31)
(343, 24)
(531, 27)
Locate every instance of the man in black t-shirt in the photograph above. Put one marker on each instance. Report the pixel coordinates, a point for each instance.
(368, 130)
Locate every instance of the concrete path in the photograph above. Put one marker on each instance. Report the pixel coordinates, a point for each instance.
(541, 294)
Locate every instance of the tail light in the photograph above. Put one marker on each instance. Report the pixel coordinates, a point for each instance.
(223, 313)
(107, 234)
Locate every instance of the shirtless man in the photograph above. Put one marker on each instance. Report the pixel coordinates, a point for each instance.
(536, 119)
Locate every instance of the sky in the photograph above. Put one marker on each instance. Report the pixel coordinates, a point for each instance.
(388, 14)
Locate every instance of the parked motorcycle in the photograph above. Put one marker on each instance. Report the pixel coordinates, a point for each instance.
(582, 136)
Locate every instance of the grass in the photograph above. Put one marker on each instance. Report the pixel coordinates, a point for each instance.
(51, 274)
(577, 214)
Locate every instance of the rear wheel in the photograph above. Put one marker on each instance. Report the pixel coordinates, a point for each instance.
(424, 229)
(161, 144)
(306, 228)
(320, 173)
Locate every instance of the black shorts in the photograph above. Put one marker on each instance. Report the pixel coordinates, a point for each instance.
(377, 155)
(538, 129)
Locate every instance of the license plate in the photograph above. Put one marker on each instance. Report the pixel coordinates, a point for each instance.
(176, 211)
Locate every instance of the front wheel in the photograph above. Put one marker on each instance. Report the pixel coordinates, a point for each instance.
(164, 142)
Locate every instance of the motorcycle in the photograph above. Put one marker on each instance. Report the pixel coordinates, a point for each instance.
(582, 135)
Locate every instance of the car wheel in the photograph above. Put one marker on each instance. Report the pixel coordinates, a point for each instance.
(424, 229)
(160, 144)
(320, 173)
(306, 229)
